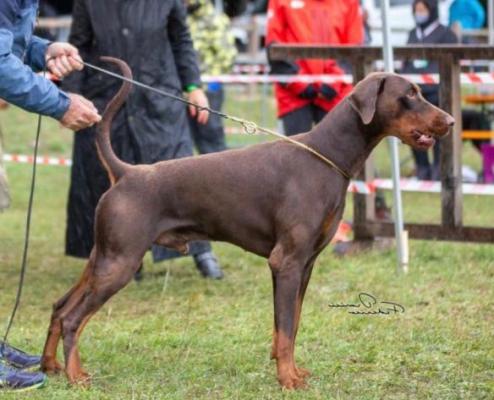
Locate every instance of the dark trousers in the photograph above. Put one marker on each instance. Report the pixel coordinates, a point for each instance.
(210, 138)
(302, 119)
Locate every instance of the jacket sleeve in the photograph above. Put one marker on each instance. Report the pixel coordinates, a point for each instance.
(35, 53)
(186, 58)
(276, 29)
(354, 33)
(19, 85)
(81, 36)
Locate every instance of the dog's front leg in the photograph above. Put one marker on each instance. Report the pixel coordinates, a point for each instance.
(302, 372)
(287, 278)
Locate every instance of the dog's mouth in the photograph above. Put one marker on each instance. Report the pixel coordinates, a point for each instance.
(422, 140)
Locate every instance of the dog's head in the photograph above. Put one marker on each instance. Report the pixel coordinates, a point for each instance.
(397, 107)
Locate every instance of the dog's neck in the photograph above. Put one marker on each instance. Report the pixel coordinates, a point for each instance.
(342, 137)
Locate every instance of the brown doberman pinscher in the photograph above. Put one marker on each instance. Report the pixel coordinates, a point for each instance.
(273, 199)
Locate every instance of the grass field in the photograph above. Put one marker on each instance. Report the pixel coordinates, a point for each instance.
(178, 336)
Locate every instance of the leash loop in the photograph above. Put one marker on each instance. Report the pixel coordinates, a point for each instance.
(249, 127)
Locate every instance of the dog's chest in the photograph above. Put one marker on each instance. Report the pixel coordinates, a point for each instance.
(328, 228)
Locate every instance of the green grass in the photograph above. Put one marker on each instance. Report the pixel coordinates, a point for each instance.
(178, 336)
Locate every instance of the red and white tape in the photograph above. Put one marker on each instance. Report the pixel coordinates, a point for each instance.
(407, 185)
(23, 159)
(466, 78)
(252, 77)
(414, 185)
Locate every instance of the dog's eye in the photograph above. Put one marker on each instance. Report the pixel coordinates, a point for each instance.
(412, 94)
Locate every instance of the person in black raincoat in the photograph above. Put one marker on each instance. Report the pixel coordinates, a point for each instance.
(153, 38)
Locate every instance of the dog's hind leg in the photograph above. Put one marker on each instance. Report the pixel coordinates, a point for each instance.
(108, 277)
(49, 362)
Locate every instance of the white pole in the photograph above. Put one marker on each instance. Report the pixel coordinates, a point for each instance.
(401, 235)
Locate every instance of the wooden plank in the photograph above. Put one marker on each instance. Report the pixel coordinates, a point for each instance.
(434, 232)
(450, 101)
(363, 206)
(371, 53)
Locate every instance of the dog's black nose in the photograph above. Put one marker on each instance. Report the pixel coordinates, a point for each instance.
(450, 121)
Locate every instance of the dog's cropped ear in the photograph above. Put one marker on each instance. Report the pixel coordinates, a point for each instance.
(364, 98)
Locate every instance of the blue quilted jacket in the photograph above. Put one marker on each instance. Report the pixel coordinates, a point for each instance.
(20, 54)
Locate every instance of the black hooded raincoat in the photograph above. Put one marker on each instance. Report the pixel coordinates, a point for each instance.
(152, 37)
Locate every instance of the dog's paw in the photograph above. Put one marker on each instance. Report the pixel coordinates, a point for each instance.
(292, 381)
(51, 366)
(79, 378)
(302, 372)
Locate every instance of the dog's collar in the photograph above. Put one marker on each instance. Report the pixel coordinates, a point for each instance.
(251, 128)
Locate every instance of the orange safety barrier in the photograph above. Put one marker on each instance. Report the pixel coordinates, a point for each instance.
(477, 135)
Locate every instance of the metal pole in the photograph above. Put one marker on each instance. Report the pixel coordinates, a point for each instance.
(400, 233)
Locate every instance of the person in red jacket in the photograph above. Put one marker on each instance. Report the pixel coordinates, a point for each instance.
(326, 22)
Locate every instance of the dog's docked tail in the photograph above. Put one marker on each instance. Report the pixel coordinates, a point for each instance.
(115, 167)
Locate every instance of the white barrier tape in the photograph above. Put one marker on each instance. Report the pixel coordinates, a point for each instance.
(413, 185)
(466, 78)
(23, 159)
(407, 185)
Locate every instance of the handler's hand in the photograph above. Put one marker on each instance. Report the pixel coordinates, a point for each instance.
(62, 59)
(81, 113)
(199, 97)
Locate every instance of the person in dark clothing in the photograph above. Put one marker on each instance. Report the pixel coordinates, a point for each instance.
(215, 46)
(428, 30)
(153, 38)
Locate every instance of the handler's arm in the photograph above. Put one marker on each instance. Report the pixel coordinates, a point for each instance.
(19, 85)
